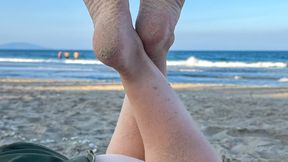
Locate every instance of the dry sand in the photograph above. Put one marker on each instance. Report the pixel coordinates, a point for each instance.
(243, 123)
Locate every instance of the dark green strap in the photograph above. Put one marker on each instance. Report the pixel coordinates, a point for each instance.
(29, 148)
(29, 158)
(27, 152)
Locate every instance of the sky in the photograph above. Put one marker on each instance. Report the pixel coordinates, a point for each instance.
(204, 25)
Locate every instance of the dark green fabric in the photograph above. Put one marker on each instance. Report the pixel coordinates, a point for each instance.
(27, 152)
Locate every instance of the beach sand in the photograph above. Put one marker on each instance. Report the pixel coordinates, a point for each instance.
(242, 123)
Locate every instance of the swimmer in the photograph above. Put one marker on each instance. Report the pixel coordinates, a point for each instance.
(76, 55)
(60, 55)
(66, 55)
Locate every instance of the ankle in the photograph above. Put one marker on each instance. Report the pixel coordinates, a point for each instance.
(136, 68)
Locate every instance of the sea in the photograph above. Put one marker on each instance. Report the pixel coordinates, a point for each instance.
(259, 68)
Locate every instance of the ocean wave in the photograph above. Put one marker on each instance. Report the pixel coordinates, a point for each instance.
(24, 60)
(237, 77)
(190, 70)
(283, 80)
(83, 62)
(192, 61)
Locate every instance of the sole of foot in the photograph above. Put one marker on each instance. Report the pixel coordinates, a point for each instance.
(115, 42)
(155, 25)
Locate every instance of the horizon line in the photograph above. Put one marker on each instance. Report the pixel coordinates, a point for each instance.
(172, 50)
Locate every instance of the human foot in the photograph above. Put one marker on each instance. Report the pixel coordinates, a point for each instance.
(155, 25)
(115, 41)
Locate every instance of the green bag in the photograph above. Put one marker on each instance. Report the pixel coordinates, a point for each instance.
(28, 152)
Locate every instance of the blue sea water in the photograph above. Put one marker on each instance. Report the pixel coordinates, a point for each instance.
(208, 67)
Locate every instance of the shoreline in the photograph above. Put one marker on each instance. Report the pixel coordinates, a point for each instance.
(117, 85)
(85, 85)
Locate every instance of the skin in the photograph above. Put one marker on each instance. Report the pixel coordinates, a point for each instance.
(155, 26)
(168, 132)
(157, 36)
(127, 139)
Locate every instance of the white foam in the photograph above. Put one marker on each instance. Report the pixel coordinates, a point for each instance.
(192, 61)
(20, 60)
(283, 80)
(237, 77)
(23, 60)
(91, 62)
(190, 70)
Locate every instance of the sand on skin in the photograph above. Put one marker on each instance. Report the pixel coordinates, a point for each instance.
(244, 123)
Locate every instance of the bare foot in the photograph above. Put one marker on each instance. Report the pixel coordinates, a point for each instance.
(155, 25)
(115, 41)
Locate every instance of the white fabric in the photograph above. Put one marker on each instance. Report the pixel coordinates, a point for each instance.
(115, 158)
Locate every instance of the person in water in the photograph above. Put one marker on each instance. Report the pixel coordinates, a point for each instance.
(60, 55)
(76, 55)
(154, 125)
(66, 55)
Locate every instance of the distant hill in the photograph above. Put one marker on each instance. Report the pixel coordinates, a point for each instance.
(21, 46)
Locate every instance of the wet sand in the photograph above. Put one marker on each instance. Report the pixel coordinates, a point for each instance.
(243, 123)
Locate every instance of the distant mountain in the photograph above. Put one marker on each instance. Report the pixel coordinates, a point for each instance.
(21, 46)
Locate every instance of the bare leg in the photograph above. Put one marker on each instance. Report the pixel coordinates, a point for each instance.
(127, 133)
(107, 16)
(127, 139)
(157, 36)
(167, 130)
